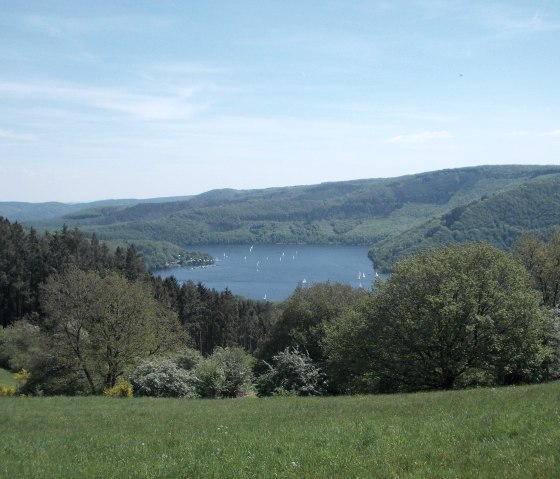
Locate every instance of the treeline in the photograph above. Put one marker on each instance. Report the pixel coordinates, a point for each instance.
(27, 259)
(454, 317)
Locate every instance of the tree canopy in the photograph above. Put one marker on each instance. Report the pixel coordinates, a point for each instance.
(457, 316)
(100, 325)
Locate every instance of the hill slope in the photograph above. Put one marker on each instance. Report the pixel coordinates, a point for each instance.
(351, 212)
(497, 219)
(30, 212)
(480, 433)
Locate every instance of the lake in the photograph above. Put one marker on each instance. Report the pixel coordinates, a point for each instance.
(272, 272)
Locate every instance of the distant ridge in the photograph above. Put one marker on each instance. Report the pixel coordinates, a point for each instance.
(25, 212)
(498, 219)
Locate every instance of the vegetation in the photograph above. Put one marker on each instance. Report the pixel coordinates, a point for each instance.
(542, 260)
(459, 316)
(293, 372)
(482, 433)
(7, 378)
(163, 377)
(81, 319)
(226, 373)
(498, 219)
(302, 317)
(99, 325)
(162, 254)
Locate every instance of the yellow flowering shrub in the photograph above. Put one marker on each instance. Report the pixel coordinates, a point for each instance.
(122, 389)
(7, 390)
(21, 377)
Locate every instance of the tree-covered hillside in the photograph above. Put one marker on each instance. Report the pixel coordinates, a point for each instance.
(497, 219)
(351, 212)
(26, 212)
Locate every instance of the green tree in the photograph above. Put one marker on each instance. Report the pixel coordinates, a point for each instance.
(101, 325)
(303, 317)
(542, 259)
(456, 316)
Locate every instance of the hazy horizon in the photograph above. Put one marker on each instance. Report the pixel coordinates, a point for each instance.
(145, 99)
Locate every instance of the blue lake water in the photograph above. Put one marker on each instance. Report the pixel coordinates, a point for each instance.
(274, 271)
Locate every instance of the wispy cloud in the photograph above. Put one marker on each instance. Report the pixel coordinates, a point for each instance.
(420, 137)
(176, 104)
(554, 133)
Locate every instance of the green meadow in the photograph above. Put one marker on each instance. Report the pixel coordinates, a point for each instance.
(506, 432)
(6, 378)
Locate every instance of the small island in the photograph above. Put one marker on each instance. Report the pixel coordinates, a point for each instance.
(191, 259)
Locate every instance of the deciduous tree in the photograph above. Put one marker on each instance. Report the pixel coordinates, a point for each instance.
(103, 324)
(457, 316)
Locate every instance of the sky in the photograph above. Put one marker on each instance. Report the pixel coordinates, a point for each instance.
(156, 98)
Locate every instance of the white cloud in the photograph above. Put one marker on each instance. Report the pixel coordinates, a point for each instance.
(420, 137)
(554, 133)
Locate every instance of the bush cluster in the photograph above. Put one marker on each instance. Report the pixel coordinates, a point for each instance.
(123, 389)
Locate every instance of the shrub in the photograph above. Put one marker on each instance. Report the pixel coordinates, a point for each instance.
(51, 376)
(212, 379)
(21, 377)
(163, 378)
(228, 372)
(293, 372)
(20, 345)
(7, 390)
(122, 389)
(187, 358)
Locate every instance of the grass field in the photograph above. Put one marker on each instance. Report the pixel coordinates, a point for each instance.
(485, 433)
(7, 378)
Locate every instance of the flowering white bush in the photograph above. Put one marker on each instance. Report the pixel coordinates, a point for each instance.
(293, 373)
(163, 378)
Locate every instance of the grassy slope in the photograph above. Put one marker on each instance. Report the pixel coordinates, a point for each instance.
(485, 433)
(7, 378)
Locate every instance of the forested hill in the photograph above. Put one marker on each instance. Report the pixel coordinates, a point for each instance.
(497, 219)
(26, 212)
(350, 212)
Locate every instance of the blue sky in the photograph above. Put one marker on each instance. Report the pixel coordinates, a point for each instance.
(137, 99)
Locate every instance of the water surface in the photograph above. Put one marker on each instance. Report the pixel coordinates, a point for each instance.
(273, 271)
